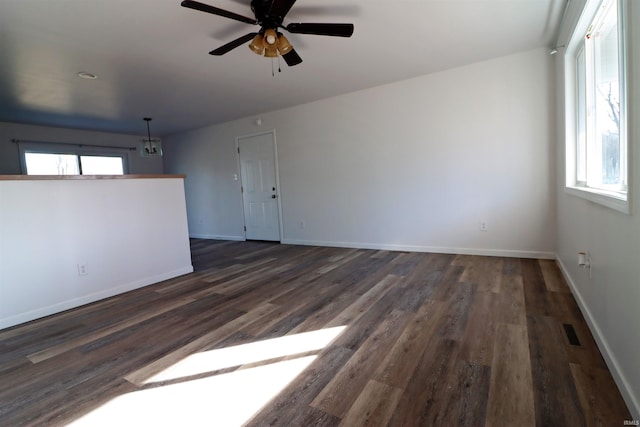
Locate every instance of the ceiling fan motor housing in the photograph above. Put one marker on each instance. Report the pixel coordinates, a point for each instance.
(261, 9)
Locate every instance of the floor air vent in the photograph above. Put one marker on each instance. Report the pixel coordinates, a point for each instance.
(571, 334)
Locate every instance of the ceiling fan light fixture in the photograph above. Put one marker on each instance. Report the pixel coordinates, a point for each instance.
(270, 37)
(284, 46)
(257, 44)
(270, 51)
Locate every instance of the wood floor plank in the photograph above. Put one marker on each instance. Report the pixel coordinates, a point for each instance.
(248, 279)
(307, 305)
(423, 401)
(95, 335)
(511, 392)
(555, 395)
(537, 300)
(485, 272)
(511, 301)
(340, 260)
(423, 269)
(454, 320)
(268, 323)
(62, 415)
(22, 331)
(405, 263)
(448, 283)
(373, 407)
(399, 364)
(466, 403)
(285, 409)
(478, 339)
(343, 389)
(140, 375)
(599, 408)
(553, 280)
(358, 277)
(365, 301)
(564, 307)
(362, 327)
(321, 317)
(413, 293)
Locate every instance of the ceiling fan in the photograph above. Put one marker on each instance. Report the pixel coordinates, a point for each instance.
(269, 41)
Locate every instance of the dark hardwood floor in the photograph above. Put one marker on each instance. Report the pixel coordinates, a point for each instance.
(269, 334)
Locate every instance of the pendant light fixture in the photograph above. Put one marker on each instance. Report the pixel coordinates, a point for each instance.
(150, 147)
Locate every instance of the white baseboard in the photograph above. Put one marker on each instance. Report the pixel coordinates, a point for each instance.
(216, 237)
(434, 249)
(86, 299)
(612, 363)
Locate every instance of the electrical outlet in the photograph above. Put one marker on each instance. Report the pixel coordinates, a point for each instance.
(82, 270)
(484, 226)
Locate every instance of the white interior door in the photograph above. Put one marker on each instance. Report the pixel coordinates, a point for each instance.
(259, 187)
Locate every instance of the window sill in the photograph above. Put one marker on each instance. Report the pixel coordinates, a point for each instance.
(611, 199)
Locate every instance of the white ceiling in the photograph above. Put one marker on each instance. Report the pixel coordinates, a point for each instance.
(152, 58)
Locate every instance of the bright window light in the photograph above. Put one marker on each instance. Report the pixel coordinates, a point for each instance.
(101, 165)
(51, 164)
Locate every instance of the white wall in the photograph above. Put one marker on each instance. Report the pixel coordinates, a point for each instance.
(411, 165)
(610, 298)
(214, 202)
(9, 155)
(127, 232)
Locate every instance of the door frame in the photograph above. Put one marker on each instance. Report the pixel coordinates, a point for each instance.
(277, 172)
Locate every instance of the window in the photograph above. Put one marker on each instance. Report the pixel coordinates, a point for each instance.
(101, 165)
(595, 72)
(70, 162)
(51, 164)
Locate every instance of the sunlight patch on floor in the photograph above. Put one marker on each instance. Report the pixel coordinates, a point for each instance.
(213, 360)
(229, 399)
(221, 400)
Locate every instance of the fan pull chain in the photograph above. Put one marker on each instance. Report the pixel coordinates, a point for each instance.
(273, 73)
(279, 69)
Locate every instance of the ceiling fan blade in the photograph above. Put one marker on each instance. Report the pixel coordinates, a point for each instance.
(327, 10)
(321, 29)
(217, 11)
(280, 8)
(292, 58)
(233, 44)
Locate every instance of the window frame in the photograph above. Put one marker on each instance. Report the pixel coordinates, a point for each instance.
(75, 150)
(617, 199)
